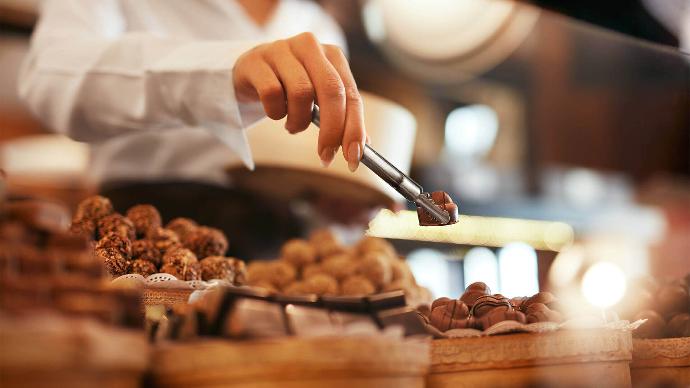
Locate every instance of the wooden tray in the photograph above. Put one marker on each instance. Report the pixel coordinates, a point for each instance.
(661, 362)
(333, 362)
(572, 358)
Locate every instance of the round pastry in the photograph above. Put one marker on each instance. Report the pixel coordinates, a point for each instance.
(181, 226)
(357, 285)
(218, 267)
(543, 297)
(539, 312)
(672, 299)
(115, 262)
(374, 244)
(93, 208)
(118, 224)
(298, 253)
(146, 250)
(655, 327)
(311, 270)
(474, 291)
(143, 267)
(163, 239)
(454, 314)
(84, 227)
(499, 314)
(117, 242)
(321, 284)
(183, 271)
(485, 303)
(280, 273)
(375, 267)
(179, 257)
(339, 266)
(205, 241)
(144, 218)
(679, 325)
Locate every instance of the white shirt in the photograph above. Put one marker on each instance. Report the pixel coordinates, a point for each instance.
(148, 83)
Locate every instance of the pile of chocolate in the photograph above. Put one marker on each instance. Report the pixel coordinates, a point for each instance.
(322, 265)
(478, 309)
(665, 306)
(44, 268)
(137, 242)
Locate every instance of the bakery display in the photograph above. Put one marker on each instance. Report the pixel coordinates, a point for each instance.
(139, 243)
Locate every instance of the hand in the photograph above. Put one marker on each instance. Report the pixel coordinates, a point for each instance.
(289, 75)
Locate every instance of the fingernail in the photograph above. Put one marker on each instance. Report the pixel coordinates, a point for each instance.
(327, 156)
(353, 155)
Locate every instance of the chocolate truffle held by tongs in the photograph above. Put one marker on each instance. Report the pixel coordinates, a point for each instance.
(402, 183)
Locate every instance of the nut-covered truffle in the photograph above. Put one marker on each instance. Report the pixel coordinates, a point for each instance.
(115, 262)
(325, 243)
(205, 241)
(146, 250)
(375, 267)
(474, 291)
(450, 314)
(93, 208)
(357, 285)
(179, 256)
(321, 284)
(143, 267)
(163, 239)
(539, 312)
(219, 267)
(144, 218)
(679, 325)
(115, 241)
(339, 266)
(188, 271)
(374, 244)
(258, 272)
(182, 226)
(486, 303)
(654, 327)
(298, 253)
(311, 270)
(499, 314)
(400, 270)
(266, 286)
(296, 288)
(280, 274)
(85, 227)
(117, 224)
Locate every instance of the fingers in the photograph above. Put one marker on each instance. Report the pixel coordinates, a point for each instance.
(330, 93)
(354, 134)
(268, 89)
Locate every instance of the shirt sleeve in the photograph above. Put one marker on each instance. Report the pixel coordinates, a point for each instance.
(87, 77)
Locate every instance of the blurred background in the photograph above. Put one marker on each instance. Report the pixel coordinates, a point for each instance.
(561, 128)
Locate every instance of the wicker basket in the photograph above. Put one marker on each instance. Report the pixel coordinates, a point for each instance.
(571, 358)
(365, 362)
(165, 296)
(661, 362)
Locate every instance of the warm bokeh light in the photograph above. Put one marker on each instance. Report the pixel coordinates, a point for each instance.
(480, 265)
(517, 266)
(603, 285)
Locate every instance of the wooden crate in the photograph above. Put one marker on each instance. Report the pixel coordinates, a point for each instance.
(661, 362)
(566, 358)
(333, 362)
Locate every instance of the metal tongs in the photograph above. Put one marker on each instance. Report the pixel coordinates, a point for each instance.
(402, 183)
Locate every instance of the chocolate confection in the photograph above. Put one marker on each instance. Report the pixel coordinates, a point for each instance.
(357, 285)
(311, 270)
(85, 227)
(182, 226)
(339, 266)
(321, 284)
(240, 269)
(399, 270)
(450, 314)
(298, 253)
(93, 208)
(655, 327)
(443, 201)
(499, 314)
(117, 242)
(117, 224)
(296, 288)
(223, 268)
(205, 241)
(375, 267)
(374, 244)
(179, 256)
(672, 299)
(485, 303)
(115, 262)
(183, 271)
(163, 239)
(543, 297)
(325, 243)
(474, 291)
(679, 325)
(143, 267)
(539, 312)
(144, 218)
(280, 274)
(146, 250)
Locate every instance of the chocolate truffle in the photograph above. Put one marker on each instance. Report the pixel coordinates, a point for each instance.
(240, 269)
(146, 250)
(321, 284)
(143, 267)
(218, 267)
(311, 270)
(539, 312)
(144, 218)
(400, 270)
(543, 297)
(280, 273)
(474, 291)
(442, 301)
(258, 271)
(452, 315)
(115, 241)
(357, 285)
(672, 299)
(182, 226)
(339, 266)
(298, 253)
(205, 241)
(115, 262)
(266, 286)
(325, 243)
(93, 208)
(499, 314)
(117, 224)
(184, 271)
(679, 325)
(375, 267)
(444, 202)
(179, 257)
(517, 301)
(374, 244)
(163, 239)
(486, 303)
(85, 227)
(296, 288)
(655, 327)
